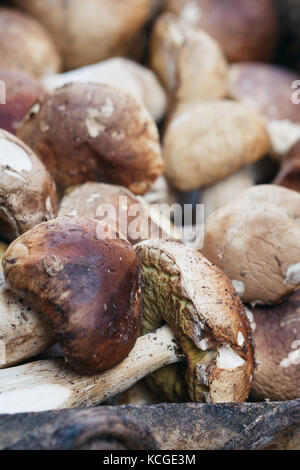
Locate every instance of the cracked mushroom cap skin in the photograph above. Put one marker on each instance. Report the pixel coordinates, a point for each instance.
(206, 142)
(246, 30)
(182, 288)
(25, 44)
(27, 191)
(21, 91)
(93, 132)
(177, 51)
(277, 348)
(138, 220)
(92, 30)
(88, 287)
(255, 240)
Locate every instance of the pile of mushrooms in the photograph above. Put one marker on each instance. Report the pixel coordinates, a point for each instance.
(107, 114)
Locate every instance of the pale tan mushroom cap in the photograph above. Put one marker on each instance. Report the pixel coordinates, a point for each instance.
(206, 142)
(188, 61)
(26, 45)
(185, 290)
(27, 192)
(255, 240)
(91, 30)
(276, 333)
(117, 206)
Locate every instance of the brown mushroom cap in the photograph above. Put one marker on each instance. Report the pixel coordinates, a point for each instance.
(94, 132)
(255, 240)
(265, 88)
(246, 30)
(118, 207)
(277, 347)
(27, 192)
(88, 287)
(91, 30)
(25, 45)
(207, 141)
(21, 92)
(289, 174)
(185, 290)
(189, 63)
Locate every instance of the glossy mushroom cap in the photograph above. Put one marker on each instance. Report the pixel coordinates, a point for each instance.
(89, 288)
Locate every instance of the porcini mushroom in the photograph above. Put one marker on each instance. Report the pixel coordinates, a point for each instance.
(106, 134)
(245, 30)
(87, 286)
(206, 141)
(27, 192)
(90, 31)
(198, 302)
(178, 51)
(268, 90)
(119, 208)
(255, 240)
(122, 73)
(276, 333)
(26, 45)
(21, 91)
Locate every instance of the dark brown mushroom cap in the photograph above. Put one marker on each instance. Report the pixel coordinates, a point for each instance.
(289, 174)
(131, 215)
(88, 287)
(276, 333)
(194, 297)
(21, 92)
(246, 30)
(94, 132)
(265, 88)
(27, 191)
(26, 45)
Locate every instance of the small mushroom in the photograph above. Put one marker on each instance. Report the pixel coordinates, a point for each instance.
(289, 174)
(27, 192)
(122, 73)
(105, 133)
(178, 51)
(88, 287)
(179, 287)
(246, 30)
(255, 240)
(21, 91)
(208, 141)
(90, 31)
(268, 89)
(277, 348)
(26, 45)
(119, 208)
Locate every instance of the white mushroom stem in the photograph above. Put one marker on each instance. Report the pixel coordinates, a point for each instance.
(50, 385)
(24, 332)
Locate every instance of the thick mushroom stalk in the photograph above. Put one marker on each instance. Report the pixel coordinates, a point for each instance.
(89, 288)
(50, 385)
